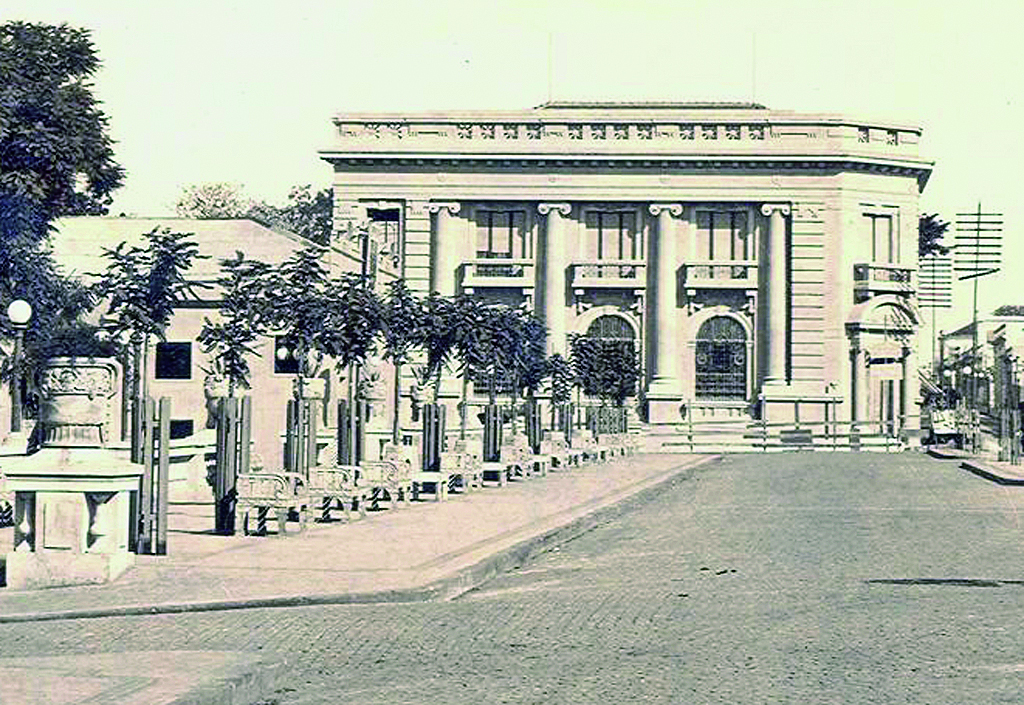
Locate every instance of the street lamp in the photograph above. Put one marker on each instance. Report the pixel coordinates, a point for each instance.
(19, 312)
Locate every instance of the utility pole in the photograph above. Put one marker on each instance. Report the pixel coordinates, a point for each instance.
(935, 291)
(977, 254)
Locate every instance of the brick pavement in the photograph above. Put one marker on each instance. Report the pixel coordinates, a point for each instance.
(431, 550)
(797, 578)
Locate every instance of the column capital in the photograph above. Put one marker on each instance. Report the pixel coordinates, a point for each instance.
(453, 207)
(769, 208)
(675, 209)
(563, 209)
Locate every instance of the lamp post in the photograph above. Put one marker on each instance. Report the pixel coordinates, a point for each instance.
(19, 312)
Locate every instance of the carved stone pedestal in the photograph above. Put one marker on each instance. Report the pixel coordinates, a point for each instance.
(72, 509)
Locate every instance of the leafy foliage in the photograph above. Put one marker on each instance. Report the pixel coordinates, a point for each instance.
(212, 201)
(562, 379)
(57, 156)
(402, 322)
(230, 340)
(319, 316)
(143, 284)
(307, 213)
(606, 369)
(56, 159)
(930, 231)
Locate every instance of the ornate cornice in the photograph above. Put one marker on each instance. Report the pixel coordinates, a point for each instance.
(563, 209)
(546, 163)
(453, 207)
(675, 209)
(768, 208)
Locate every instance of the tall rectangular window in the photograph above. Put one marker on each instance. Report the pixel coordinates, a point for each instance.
(724, 236)
(885, 245)
(385, 230)
(501, 234)
(174, 360)
(611, 235)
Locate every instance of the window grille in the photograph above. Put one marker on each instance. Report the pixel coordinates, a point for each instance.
(610, 328)
(721, 360)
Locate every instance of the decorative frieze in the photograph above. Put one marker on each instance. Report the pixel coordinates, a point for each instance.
(622, 131)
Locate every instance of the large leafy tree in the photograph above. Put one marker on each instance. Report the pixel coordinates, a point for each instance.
(402, 327)
(606, 369)
(142, 285)
(230, 339)
(56, 158)
(212, 201)
(319, 316)
(930, 231)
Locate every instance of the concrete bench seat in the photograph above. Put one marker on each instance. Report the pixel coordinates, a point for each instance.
(262, 492)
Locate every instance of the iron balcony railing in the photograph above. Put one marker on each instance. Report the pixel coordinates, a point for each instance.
(609, 274)
(499, 273)
(870, 279)
(718, 274)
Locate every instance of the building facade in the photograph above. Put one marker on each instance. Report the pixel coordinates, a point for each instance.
(763, 262)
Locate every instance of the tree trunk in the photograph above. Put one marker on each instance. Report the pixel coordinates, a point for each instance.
(396, 406)
(464, 411)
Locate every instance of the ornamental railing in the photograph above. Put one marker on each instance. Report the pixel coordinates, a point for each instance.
(872, 278)
(722, 274)
(498, 273)
(623, 274)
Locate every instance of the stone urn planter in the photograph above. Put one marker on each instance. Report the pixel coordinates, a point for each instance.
(215, 388)
(75, 405)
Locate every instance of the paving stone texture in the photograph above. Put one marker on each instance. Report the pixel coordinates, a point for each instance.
(789, 578)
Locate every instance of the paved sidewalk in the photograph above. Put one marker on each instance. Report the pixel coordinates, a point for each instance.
(427, 551)
(984, 465)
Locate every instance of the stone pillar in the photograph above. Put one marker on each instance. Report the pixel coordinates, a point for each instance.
(551, 293)
(774, 288)
(664, 393)
(445, 245)
(857, 375)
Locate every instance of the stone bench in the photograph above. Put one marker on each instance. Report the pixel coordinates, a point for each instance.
(463, 466)
(534, 463)
(560, 453)
(282, 492)
(391, 475)
(332, 485)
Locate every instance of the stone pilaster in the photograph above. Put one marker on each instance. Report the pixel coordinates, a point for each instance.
(774, 292)
(664, 393)
(445, 245)
(551, 290)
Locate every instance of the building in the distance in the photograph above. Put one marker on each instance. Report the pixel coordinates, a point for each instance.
(764, 261)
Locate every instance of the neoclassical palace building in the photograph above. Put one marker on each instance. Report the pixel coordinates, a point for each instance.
(763, 261)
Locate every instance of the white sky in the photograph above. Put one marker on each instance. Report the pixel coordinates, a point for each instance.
(213, 90)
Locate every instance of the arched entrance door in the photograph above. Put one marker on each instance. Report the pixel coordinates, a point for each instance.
(721, 360)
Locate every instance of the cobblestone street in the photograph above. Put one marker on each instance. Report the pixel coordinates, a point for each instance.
(791, 578)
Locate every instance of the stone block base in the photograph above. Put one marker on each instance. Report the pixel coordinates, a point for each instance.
(31, 571)
(663, 411)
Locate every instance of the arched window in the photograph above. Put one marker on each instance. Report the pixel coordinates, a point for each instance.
(610, 328)
(721, 359)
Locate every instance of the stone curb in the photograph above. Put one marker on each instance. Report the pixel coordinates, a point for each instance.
(447, 588)
(947, 453)
(989, 473)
